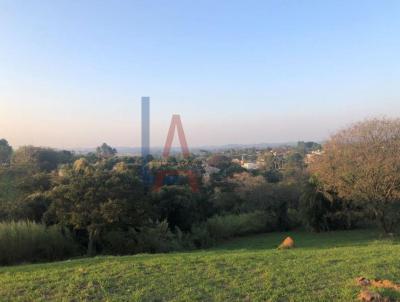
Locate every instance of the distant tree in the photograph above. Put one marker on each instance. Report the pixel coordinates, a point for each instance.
(91, 157)
(171, 160)
(362, 163)
(269, 161)
(273, 176)
(148, 158)
(5, 152)
(246, 182)
(65, 157)
(105, 151)
(295, 159)
(219, 161)
(293, 170)
(42, 159)
(306, 147)
(232, 169)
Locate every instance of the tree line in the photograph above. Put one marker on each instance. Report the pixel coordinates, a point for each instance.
(100, 202)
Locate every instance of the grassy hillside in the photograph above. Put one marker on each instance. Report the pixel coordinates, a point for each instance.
(322, 268)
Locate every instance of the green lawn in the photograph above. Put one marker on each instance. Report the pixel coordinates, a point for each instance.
(322, 268)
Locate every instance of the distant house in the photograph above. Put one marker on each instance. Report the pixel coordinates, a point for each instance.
(310, 157)
(250, 166)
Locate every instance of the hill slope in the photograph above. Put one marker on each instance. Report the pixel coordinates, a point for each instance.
(322, 268)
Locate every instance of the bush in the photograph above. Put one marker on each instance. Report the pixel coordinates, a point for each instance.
(154, 238)
(201, 237)
(228, 226)
(157, 239)
(119, 242)
(26, 241)
(321, 211)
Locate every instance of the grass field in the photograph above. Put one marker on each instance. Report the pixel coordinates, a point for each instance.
(322, 268)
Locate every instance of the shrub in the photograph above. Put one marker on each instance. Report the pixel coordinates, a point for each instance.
(233, 225)
(153, 238)
(26, 241)
(157, 239)
(201, 237)
(322, 211)
(228, 226)
(119, 242)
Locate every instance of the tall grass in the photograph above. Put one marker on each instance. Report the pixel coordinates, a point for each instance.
(26, 241)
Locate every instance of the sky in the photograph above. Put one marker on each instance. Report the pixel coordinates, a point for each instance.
(72, 72)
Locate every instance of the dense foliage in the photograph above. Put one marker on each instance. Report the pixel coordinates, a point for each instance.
(361, 165)
(125, 205)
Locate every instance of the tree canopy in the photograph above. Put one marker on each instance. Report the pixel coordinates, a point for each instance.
(362, 163)
(105, 151)
(5, 152)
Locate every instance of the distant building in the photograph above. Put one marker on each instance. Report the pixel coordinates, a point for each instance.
(310, 157)
(250, 166)
(236, 161)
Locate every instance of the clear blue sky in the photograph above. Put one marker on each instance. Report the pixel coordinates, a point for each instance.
(72, 72)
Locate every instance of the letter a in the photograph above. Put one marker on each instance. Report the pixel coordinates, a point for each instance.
(176, 123)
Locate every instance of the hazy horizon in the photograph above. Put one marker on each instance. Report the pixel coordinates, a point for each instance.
(72, 73)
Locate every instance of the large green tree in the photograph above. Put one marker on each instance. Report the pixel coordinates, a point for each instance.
(92, 200)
